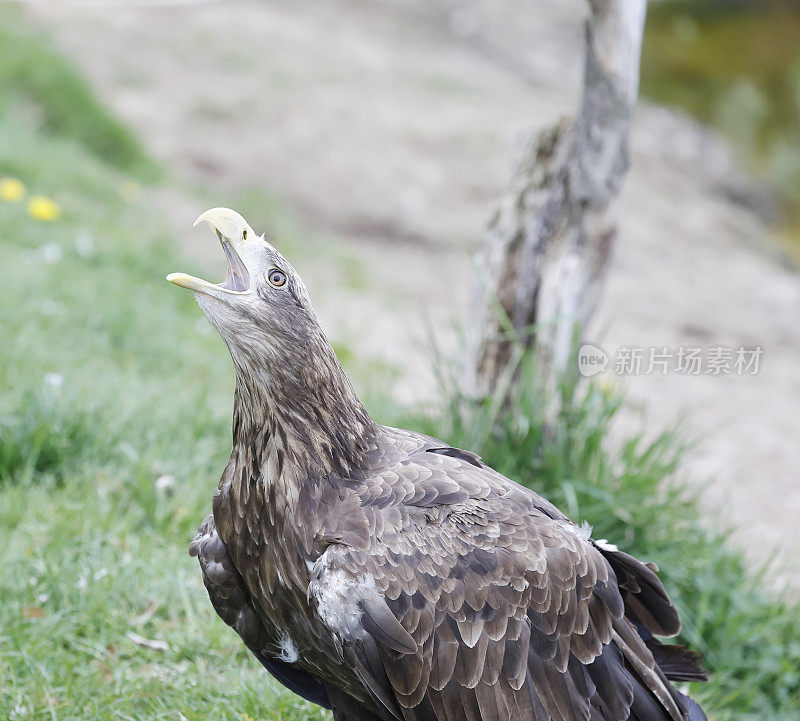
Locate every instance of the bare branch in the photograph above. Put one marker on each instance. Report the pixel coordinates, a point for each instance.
(549, 243)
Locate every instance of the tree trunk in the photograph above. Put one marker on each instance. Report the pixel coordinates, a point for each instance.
(549, 242)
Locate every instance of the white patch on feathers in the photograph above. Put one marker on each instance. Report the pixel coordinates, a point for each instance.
(339, 598)
(287, 650)
(605, 545)
(584, 531)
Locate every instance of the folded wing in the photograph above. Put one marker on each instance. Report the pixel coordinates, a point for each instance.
(494, 607)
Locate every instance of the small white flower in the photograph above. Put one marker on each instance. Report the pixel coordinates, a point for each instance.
(165, 484)
(54, 380)
(82, 583)
(19, 711)
(51, 252)
(44, 597)
(102, 573)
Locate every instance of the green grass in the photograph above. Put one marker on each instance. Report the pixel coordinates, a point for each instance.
(111, 380)
(41, 88)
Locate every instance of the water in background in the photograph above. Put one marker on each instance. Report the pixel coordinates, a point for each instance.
(735, 64)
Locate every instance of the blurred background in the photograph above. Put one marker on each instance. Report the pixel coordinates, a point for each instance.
(371, 140)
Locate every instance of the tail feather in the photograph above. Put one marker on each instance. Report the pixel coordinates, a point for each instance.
(677, 662)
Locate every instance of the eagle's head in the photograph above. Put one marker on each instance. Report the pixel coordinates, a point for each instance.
(261, 309)
(286, 370)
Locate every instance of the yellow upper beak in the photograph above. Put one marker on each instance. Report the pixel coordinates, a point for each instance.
(226, 221)
(230, 228)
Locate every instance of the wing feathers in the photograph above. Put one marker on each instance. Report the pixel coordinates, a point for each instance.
(636, 654)
(493, 701)
(613, 685)
(469, 662)
(383, 626)
(370, 670)
(445, 654)
(576, 660)
(644, 594)
(485, 604)
(469, 704)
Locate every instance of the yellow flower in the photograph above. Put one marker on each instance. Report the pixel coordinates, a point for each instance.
(11, 190)
(42, 208)
(129, 191)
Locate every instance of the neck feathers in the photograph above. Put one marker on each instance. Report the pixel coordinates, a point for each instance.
(304, 411)
(297, 429)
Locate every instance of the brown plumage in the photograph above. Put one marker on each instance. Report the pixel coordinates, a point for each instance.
(385, 575)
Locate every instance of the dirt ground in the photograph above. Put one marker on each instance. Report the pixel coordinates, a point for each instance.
(386, 128)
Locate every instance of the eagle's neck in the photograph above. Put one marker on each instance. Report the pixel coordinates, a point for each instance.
(301, 413)
(299, 429)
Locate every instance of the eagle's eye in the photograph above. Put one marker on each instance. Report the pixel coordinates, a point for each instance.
(244, 234)
(276, 277)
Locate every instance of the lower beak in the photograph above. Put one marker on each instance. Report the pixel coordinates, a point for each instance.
(191, 282)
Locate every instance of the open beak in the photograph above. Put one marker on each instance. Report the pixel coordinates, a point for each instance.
(229, 227)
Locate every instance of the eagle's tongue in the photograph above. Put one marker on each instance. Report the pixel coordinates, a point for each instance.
(237, 277)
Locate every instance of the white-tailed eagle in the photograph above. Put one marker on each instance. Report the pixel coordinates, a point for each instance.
(387, 576)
